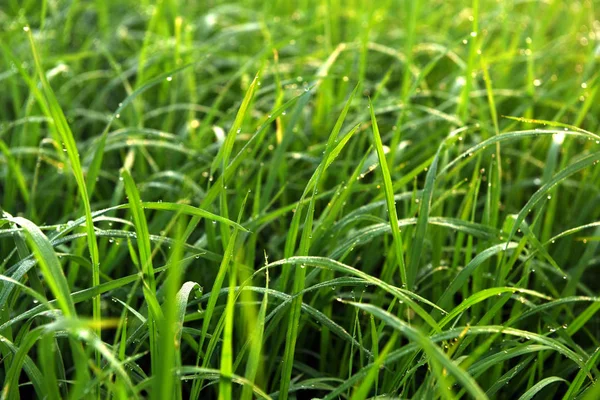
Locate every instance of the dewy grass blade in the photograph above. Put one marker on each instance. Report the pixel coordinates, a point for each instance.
(433, 352)
(50, 266)
(389, 197)
(542, 192)
(575, 385)
(443, 302)
(170, 328)
(68, 141)
(145, 258)
(305, 242)
(227, 346)
(256, 342)
(422, 222)
(362, 391)
(403, 295)
(225, 151)
(210, 308)
(191, 210)
(530, 394)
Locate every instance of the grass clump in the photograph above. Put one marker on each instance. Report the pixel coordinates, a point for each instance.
(320, 200)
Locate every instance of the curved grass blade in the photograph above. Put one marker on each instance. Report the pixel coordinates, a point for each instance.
(421, 227)
(466, 272)
(403, 295)
(49, 264)
(256, 343)
(542, 192)
(531, 392)
(576, 384)
(362, 391)
(190, 372)
(64, 131)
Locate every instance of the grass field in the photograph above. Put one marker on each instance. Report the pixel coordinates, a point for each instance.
(334, 199)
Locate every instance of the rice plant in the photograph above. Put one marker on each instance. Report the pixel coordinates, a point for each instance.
(293, 200)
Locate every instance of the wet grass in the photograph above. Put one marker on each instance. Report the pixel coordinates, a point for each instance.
(317, 200)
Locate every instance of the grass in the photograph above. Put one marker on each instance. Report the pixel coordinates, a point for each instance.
(289, 200)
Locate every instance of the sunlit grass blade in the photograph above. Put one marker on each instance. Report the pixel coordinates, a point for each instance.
(391, 204)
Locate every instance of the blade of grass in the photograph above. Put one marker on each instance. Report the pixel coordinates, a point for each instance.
(66, 136)
(145, 257)
(391, 204)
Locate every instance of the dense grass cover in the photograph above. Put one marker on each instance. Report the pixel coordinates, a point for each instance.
(316, 199)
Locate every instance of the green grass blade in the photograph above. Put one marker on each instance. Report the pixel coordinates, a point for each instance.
(49, 264)
(391, 204)
(62, 127)
(433, 352)
(147, 269)
(531, 392)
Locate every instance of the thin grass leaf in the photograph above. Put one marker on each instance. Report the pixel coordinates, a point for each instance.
(531, 392)
(434, 352)
(391, 204)
(147, 269)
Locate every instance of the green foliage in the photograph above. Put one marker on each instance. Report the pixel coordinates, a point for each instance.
(287, 200)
